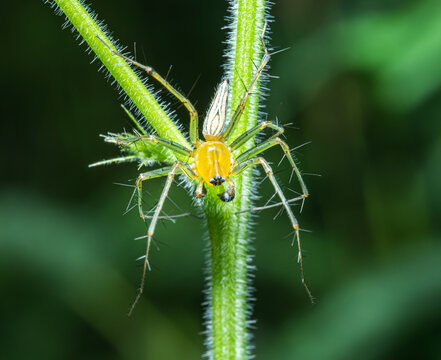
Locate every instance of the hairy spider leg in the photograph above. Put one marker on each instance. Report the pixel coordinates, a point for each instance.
(260, 208)
(268, 144)
(170, 171)
(117, 160)
(243, 102)
(269, 172)
(177, 168)
(172, 217)
(242, 139)
(194, 135)
(169, 144)
(137, 124)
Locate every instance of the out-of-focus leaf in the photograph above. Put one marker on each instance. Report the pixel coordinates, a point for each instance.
(67, 252)
(370, 315)
(400, 49)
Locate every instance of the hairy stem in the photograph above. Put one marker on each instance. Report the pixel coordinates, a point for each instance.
(88, 28)
(227, 314)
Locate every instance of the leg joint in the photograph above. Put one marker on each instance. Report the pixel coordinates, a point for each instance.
(262, 161)
(265, 166)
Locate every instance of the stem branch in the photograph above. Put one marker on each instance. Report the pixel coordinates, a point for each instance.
(86, 25)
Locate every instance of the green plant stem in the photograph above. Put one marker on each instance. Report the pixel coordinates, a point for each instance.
(227, 315)
(82, 20)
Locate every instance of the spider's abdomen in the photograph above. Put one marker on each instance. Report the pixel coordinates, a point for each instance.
(213, 162)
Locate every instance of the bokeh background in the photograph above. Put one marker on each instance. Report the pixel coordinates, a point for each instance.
(362, 81)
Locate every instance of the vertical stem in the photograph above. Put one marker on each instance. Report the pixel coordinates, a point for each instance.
(228, 312)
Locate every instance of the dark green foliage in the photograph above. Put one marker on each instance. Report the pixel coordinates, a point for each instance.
(361, 81)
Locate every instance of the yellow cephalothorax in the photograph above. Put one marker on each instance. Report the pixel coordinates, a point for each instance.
(212, 162)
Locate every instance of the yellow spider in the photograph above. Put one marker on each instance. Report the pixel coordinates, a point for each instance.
(211, 161)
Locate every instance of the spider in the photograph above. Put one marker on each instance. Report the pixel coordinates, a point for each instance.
(212, 161)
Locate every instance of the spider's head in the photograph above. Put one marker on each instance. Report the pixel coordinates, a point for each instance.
(217, 180)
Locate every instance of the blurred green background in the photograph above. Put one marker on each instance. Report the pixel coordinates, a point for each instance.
(362, 81)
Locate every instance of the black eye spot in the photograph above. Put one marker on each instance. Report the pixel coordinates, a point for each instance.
(217, 180)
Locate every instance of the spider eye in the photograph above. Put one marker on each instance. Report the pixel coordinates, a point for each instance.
(217, 180)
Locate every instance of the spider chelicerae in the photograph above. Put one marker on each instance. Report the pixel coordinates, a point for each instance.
(210, 162)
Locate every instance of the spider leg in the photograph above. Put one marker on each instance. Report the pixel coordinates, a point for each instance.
(269, 172)
(117, 160)
(242, 139)
(170, 171)
(268, 144)
(169, 144)
(194, 136)
(260, 208)
(137, 124)
(243, 101)
(171, 217)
